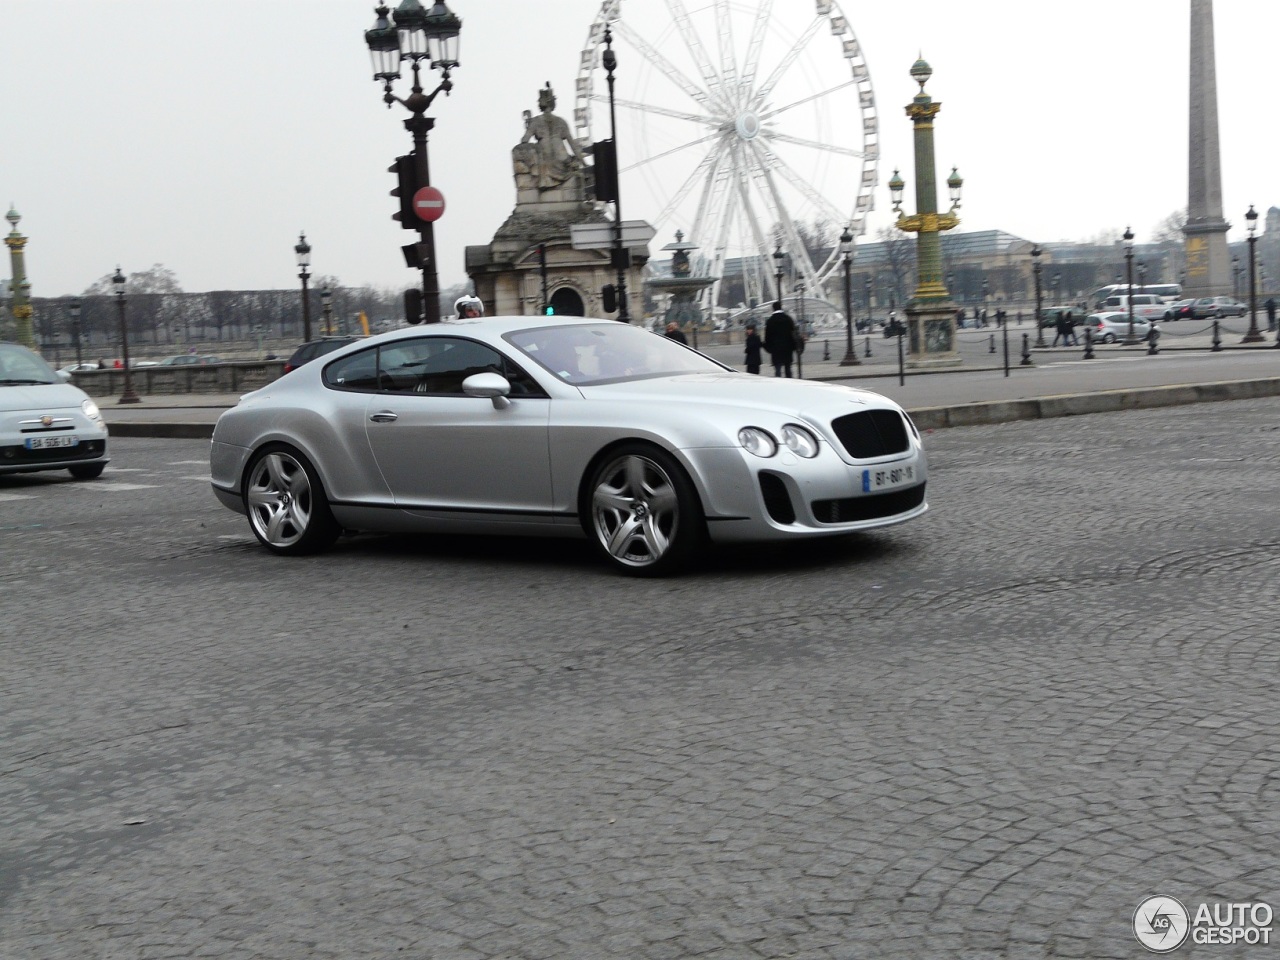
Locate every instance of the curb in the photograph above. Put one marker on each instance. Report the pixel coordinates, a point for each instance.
(1106, 401)
(931, 418)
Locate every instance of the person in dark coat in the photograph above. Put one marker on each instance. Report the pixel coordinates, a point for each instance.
(780, 339)
(676, 334)
(754, 344)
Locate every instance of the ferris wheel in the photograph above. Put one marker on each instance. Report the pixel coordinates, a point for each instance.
(743, 123)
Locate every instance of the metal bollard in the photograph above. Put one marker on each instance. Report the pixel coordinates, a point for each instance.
(826, 349)
(868, 344)
(1026, 350)
(993, 344)
(1153, 339)
(1217, 340)
(1088, 343)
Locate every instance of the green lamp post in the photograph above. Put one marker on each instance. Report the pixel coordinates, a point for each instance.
(930, 312)
(21, 289)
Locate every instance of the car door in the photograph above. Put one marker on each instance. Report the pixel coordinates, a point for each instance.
(444, 452)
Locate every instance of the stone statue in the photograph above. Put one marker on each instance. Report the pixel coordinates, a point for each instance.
(556, 157)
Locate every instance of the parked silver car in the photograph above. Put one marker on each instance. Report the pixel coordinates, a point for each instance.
(1111, 327)
(1209, 308)
(517, 425)
(45, 422)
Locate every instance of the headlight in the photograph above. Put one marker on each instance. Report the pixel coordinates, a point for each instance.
(90, 409)
(757, 441)
(800, 441)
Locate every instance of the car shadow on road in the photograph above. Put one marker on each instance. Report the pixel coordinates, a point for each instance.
(578, 556)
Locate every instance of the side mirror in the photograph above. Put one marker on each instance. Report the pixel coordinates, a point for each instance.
(492, 385)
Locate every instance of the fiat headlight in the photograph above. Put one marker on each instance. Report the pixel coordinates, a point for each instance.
(757, 441)
(90, 409)
(800, 441)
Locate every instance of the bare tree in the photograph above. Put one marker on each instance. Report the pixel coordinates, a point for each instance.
(897, 252)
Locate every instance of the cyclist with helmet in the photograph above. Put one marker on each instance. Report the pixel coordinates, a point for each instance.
(468, 307)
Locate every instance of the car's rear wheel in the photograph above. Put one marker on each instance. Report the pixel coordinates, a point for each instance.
(286, 504)
(87, 471)
(641, 511)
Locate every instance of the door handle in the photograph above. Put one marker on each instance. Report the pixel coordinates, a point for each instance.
(383, 416)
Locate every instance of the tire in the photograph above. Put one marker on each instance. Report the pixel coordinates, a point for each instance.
(87, 471)
(641, 512)
(1108, 338)
(287, 508)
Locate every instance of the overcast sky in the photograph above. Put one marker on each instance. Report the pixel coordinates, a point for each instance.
(205, 135)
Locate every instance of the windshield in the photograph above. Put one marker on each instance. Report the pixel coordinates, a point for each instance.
(20, 367)
(585, 354)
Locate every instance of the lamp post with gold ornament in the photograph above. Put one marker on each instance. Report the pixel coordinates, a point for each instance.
(21, 304)
(931, 314)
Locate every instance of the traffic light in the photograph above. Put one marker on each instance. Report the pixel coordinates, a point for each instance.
(606, 170)
(413, 305)
(610, 295)
(405, 168)
(549, 310)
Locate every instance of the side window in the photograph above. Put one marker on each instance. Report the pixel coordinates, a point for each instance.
(438, 365)
(356, 372)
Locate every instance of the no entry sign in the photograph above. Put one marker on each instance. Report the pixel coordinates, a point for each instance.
(428, 204)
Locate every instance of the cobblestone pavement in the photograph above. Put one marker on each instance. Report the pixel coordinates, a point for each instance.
(987, 733)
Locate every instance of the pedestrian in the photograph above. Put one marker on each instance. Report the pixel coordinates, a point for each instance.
(752, 356)
(468, 307)
(960, 318)
(1271, 313)
(674, 333)
(780, 340)
(1061, 330)
(1070, 319)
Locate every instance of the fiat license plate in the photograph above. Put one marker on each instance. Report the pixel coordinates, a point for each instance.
(44, 443)
(886, 478)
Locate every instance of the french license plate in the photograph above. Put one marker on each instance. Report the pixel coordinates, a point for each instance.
(44, 443)
(886, 478)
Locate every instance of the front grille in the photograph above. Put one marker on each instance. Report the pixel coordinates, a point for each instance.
(871, 433)
(871, 507)
(776, 499)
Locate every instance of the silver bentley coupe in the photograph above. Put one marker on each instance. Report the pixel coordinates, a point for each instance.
(555, 427)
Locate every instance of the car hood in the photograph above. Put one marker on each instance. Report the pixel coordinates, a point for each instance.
(40, 397)
(797, 398)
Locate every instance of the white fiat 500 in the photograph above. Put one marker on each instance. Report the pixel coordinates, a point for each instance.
(45, 422)
(572, 427)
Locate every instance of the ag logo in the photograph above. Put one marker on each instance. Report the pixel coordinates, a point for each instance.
(1161, 924)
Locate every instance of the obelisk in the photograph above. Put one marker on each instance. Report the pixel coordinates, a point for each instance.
(1208, 261)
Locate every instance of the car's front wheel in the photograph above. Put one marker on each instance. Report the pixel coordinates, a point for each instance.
(285, 501)
(641, 511)
(87, 471)
(1108, 338)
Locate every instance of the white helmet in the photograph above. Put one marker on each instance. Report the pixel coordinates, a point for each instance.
(468, 302)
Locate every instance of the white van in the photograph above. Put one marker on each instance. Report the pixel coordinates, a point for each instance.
(1146, 306)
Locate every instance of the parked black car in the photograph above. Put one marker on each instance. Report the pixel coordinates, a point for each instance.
(316, 348)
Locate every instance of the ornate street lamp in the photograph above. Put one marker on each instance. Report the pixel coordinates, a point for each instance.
(1035, 269)
(1253, 336)
(326, 298)
(303, 252)
(1132, 338)
(930, 312)
(803, 332)
(846, 252)
(74, 309)
(415, 34)
(127, 395)
(778, 259)
(621, 257)
(866, 294)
